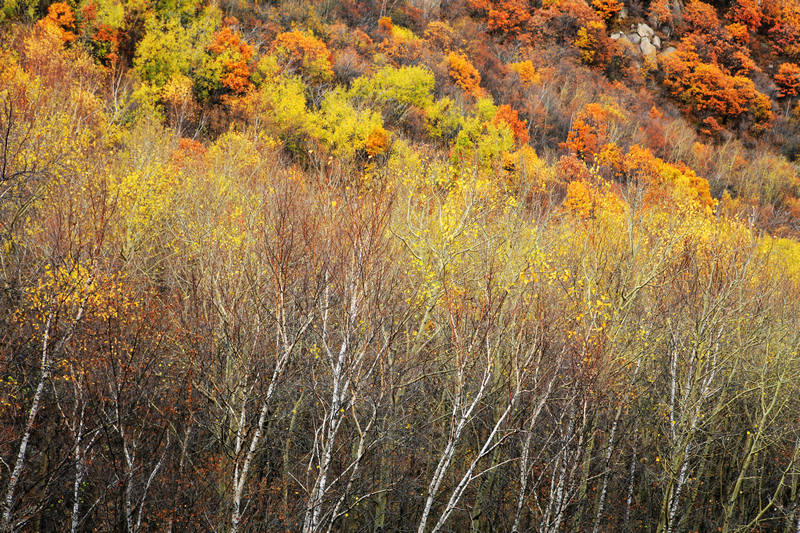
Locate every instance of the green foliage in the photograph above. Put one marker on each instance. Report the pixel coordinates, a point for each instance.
(17, 8)
(343, 127)
(397, 87)
(170, 47)
(279, 107)
(481, 138)
(442, 119)
(109, 13)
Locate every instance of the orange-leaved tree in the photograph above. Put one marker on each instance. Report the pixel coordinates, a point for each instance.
(747, 12)
(61, 20)
(304, 54)
(506, 115)
(234, 55)
(504, 17)
(591, 130)
(608, 9)
(788, 80)
(710, 93)
(464, 73)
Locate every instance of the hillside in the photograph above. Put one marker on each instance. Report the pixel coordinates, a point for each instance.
(399, 265)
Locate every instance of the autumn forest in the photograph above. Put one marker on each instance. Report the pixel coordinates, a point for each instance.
(400, 265)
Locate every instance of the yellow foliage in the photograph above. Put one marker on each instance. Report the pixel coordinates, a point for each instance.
(527, 72)
(464, 74)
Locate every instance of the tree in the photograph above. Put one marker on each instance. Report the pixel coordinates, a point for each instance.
(464, 74)
(303, 54)
(227, 66)
(61, 20)
(788, 80)
(511, 118)
(608, 9)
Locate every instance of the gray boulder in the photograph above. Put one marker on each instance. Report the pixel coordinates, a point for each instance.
(647, 48)
(634, 38)
(656, 40)
(644, 30)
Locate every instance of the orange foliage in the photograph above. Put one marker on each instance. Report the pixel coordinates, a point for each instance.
(61, 20)
(377, 141)
(608, 9)
(385, 24)
(788, 80)
(700, 17)
(570, 168)
(679, 181)
(236, 56)
(518, 127)
(785, 31)
(738, 32)
(709, 92)
(188, 151)
(589, 132)
(660, 13)
(747, 13)
(505, 17)
(464, 73)
(297, 51)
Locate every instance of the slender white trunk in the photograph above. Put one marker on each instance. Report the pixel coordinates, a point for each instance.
(240, 476)
(467, 478)
(523, 480)
(8, 503)
(79, 470)
(447, 454)
(602, 498)
(631, 479)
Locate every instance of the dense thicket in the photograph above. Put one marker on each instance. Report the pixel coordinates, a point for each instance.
(399, 266)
